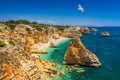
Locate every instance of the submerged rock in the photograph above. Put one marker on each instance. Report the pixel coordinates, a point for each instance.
(80, 70)
(62, 74)
(78, 54)
(106, 34)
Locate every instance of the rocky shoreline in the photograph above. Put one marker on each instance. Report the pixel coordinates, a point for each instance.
(20, 46)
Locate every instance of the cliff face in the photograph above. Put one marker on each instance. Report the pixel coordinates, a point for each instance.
(16, 64)
(78, 54)
(16, 60)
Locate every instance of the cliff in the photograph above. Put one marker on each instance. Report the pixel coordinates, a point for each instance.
(78, 54)
(16, 64)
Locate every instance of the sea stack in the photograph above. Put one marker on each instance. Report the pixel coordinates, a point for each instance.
(85, 30)
(105, 34)
(78, 54)
(94, 30)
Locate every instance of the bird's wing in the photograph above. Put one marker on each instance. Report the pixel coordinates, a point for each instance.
(79, 6)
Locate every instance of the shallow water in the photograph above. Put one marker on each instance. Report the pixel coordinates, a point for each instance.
(106, 48)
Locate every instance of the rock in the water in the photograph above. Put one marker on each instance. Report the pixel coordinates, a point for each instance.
(80, 70)
(62, 74)
(52, 45)
(94, 30)
(106, 34)
(78, 54)
(85, 30)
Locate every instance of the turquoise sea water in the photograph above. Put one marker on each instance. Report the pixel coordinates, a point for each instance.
(106, 48)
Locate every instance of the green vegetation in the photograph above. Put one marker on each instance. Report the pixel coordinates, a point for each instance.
(35, 25)
(28, 29)
(22, 22)
(11, 22)
(0, 30)
(61, 27)
(2, 44)
(12, 26)
(17, 22)
(12, 42)
(34, 22)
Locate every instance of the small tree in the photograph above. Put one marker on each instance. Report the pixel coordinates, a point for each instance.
(12, 27)
(2, 44)
(0, 30)
(28, 29)
(12, 42)
(11, 21)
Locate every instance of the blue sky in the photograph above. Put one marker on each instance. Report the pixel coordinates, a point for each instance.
(97, 12)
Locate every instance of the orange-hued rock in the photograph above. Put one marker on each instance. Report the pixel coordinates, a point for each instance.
(94, 30)
(78, 54)
(85, 30)
(106, 34)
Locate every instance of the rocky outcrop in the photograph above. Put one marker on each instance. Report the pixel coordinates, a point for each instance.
(17, 64)
(105, 34)
(72, 31)
(53, 45)
(62, 74)
(21, 28)
(85, 30)
(78, 54)
(94, 30)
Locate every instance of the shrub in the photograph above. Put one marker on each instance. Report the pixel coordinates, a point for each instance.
(28, 29)
(37, 27)
(12, 42)
(0, 30)
(2, 44)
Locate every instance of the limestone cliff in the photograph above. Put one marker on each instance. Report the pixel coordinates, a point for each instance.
(16, 64)
(78, 54)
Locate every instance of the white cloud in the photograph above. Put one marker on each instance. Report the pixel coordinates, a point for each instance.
(40, 21)
(51, 21)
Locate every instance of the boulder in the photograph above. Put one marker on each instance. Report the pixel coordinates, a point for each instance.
(85, 30)
(62, 74)
(52, 45)
(78, 54)
(105, 34)
(94, 30)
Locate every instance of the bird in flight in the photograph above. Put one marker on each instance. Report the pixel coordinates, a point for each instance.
(80, 8)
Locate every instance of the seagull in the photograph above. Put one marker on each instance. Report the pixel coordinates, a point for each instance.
(80, 8)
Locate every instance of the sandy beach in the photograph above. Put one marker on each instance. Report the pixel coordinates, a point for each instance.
(44, 46)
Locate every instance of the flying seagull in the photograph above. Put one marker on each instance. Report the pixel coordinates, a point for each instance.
(80, 8)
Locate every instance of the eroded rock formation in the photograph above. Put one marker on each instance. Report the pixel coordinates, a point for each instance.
(94, 30)
(85, 30)
(105, 34)
(16, 64)
(78, 54)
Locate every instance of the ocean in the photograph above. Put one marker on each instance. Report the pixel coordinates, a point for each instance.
(107, 50)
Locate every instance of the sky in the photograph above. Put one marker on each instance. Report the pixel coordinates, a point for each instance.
(64, 12)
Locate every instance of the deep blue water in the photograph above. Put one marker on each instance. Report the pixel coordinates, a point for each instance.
(106, 48)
